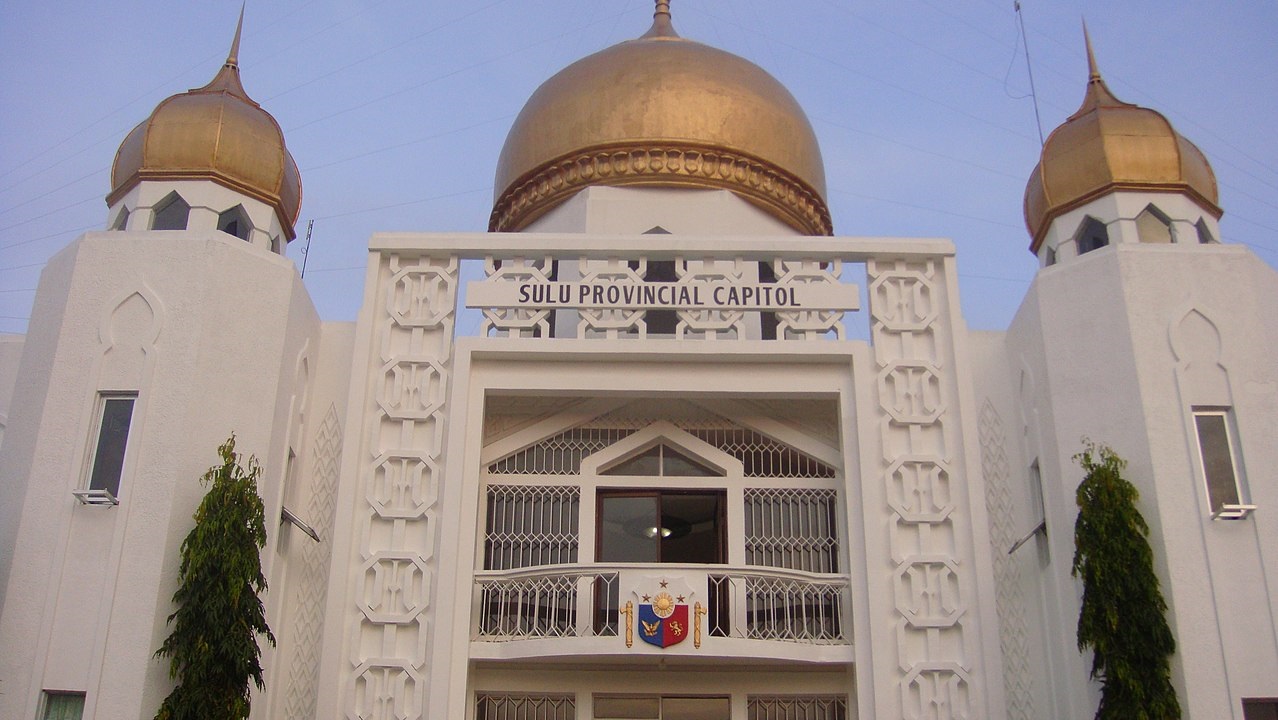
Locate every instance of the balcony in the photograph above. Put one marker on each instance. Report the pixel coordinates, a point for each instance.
(724, 612)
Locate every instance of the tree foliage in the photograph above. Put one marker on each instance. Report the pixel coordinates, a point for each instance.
(1123, 618)
(212, 648)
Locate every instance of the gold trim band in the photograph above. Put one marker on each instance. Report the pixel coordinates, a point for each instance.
(767, 186)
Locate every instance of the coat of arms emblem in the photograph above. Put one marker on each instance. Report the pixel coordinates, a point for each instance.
(664, 616)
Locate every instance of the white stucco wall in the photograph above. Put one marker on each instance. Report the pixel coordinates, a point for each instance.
(1105, 339)
(207, 330)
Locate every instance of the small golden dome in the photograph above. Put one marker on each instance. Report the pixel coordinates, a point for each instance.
(1111, 145)
(667, 112)
(216, 132)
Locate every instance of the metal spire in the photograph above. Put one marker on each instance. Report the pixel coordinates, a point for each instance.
(1093, 72)
(233, 57)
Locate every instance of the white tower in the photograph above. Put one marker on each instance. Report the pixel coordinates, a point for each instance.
(149, 345)
(1143, 332)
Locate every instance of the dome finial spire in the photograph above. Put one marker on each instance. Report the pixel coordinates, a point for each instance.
(1098, 93)
(661, 25)
(1093, 72)
(233, 57)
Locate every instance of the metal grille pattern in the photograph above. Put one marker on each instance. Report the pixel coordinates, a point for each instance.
(796, 707)
(784, 609)
(561, 454)
(781, 609)
(525, 707)
(792, 529)
(762, 456)
(546, 606)
(530, 526)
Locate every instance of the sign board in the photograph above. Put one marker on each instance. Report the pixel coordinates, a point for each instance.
(694, 295)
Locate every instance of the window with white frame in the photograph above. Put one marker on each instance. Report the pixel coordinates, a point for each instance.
(1218, 458)
(60, 705)
(1260, 709)
(114, 416)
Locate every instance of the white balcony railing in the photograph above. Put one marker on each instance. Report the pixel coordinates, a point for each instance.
(585, 601)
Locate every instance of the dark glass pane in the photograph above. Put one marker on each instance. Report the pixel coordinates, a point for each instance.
(677, 464)
(108, 459)
(676, 708)
(691, 528)
(628, 529)
(1260, 709)
(1218, 463)
(647, 464)
(172, 216)
(628, 708)
(63, 706)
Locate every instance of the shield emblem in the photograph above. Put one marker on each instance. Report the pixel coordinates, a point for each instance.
(663, 621)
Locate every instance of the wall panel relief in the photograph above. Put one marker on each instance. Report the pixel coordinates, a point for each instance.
(412, 338)
(929, 576)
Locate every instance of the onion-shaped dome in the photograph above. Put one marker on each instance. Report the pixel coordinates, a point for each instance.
(662, 111)
(1111, 145)
(216, 132)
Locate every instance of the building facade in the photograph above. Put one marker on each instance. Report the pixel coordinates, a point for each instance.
(667, 479)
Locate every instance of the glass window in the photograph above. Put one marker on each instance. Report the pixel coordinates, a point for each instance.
(171, 213)
(1255, 709)
(1217, 457)
(651, 707)
(1153, 226)
(661, 460)
(63, 705)
(661, 526)
(1204, 233)
(235, 222)
(115, 414)
(121, 220)
(1093, 235)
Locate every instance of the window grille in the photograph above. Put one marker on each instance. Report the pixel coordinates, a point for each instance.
(531, 525)
(792, 529)
(760, 455)
(525, 707)
(796, 707)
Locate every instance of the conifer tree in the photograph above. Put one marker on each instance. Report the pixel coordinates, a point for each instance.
(212, 649)
(1123, 618)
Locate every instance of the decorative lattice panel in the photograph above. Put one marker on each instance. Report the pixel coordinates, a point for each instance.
(792, 529)
(761, 456)
(525, 707)
(531, 525)
(400, 466)
(796, 707)
(930, 563)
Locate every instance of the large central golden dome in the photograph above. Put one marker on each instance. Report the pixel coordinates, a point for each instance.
(668, 112)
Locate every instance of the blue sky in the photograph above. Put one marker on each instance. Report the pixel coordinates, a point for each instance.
(396, 110)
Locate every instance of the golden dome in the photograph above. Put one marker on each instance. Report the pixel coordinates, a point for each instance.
(1112, 145)
(216, 133)
(667, 112)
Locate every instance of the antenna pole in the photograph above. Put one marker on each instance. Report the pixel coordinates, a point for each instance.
(1029, 67)
(306, 251)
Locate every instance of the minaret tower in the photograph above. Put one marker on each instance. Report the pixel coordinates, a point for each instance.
(209, 158)
(1117, 173)
(151, 342)
(1143, 332)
